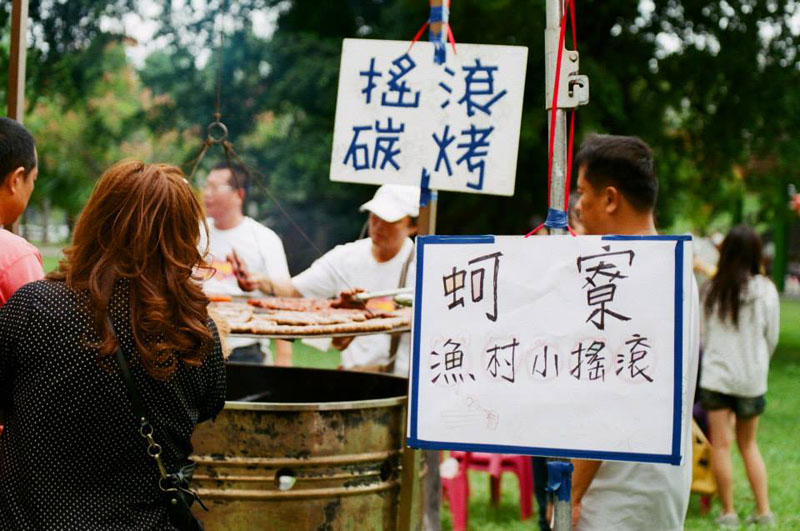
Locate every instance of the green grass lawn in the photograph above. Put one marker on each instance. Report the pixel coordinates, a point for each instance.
(49, 263)
(50, 257)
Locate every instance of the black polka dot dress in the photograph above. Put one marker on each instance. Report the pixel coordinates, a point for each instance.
(70, 454)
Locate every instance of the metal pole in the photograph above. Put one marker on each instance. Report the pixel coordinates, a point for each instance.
(555, 12)
(16, 68)
(409, 478)
(426, 224)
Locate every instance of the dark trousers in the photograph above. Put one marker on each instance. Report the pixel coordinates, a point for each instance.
(248, 354)
(540, 490)
(433, 491)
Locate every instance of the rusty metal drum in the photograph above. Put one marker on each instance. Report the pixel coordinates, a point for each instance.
(299, 449)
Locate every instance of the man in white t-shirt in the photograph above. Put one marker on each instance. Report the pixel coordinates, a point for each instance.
(618, 190)
(372, 264)
(231, 233)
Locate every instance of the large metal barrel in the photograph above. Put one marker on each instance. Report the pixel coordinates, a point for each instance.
(300, 449)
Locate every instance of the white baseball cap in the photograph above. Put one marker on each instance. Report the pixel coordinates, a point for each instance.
(393, 202)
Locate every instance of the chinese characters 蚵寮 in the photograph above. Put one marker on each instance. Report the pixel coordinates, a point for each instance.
(455, 281)
(601, 277)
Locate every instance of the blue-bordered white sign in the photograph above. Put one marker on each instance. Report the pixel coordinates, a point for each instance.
(557, 346)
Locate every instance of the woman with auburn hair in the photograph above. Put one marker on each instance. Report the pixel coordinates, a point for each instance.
(71, 456)
(739, 337)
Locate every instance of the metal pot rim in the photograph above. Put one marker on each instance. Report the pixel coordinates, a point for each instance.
(316, 406)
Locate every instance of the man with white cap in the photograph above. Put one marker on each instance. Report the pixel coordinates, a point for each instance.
(382, 261)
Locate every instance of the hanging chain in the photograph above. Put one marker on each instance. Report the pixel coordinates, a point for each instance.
(217, 134)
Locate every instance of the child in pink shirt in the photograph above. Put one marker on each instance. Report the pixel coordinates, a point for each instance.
(20, 263)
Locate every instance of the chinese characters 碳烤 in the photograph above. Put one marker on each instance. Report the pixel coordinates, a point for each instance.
(378, 145)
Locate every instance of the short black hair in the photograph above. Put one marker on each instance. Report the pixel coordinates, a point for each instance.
(240, 177)
(17, 148)
(624, 162)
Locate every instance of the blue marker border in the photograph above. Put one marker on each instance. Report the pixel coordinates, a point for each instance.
(422, 241)
(672, 458)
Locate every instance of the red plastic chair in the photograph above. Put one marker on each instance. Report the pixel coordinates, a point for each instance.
(456, 491)
(496, 464)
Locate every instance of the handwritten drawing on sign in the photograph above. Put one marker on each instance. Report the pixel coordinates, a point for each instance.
(559, 346)
(402, 118)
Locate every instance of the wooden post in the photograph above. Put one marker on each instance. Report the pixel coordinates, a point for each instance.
(427, 217)
(409, 482)
(16, 67)
(439, 20)
(781, 234)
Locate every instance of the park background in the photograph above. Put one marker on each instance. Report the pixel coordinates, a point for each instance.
(713, 86)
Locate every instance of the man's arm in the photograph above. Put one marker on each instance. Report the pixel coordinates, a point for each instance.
(283, 353)
(249, 281)
(582, 476)
(279, 287)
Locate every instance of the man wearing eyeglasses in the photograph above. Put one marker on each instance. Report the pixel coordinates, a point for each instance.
(231, 233)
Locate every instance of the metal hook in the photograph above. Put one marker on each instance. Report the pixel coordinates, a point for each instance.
(217, 127)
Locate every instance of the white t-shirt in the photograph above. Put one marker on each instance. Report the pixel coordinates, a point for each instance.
(351, 266)
(636, 496)
(259, 248)
(736, 359)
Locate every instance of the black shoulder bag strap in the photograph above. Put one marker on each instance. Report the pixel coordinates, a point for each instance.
(175, 486)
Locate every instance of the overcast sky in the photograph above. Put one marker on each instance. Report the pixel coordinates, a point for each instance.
(142, 27)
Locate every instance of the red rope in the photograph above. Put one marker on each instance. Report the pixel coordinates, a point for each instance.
(418, 35)
(450, 37)
(427, 23)
(534, 231)
(569, 7)
(568, 184)
(554, 108)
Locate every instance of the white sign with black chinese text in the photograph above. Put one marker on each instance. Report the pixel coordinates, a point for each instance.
(554, 346)
(401, 118)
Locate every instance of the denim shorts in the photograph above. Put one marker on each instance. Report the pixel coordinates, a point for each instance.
(744, 406)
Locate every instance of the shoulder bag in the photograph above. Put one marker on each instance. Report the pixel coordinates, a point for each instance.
(175, 489)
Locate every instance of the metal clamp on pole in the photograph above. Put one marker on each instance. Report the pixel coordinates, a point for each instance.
(573, 88)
